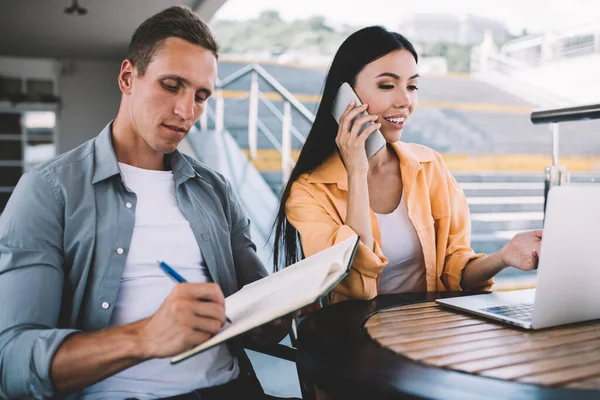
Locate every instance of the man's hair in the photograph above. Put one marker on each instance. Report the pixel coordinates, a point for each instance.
(176, 21)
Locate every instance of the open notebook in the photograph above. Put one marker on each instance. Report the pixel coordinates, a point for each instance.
(282, 292)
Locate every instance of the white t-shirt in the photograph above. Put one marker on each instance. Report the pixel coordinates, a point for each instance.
(161, 232)
(405, 271)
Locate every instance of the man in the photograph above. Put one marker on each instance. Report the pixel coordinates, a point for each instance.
(85, 309)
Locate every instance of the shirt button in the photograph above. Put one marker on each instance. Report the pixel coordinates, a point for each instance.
(105, 305)
(128, 205)
(120, 250)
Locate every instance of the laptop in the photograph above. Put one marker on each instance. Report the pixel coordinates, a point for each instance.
(568, 276)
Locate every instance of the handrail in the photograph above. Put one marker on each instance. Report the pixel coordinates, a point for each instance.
(255, 125)
(537, 40)
(279, 116)
(285, 93)
(500, 70)
(271, 81)
(221, 83)
(565, 114)
(504, 59)
(556, 175)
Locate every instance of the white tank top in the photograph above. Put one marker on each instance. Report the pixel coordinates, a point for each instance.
(405, 271)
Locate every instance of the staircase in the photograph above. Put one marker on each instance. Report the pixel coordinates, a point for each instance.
(501, 205)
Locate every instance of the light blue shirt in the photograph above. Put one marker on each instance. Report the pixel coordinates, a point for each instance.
(64, 237)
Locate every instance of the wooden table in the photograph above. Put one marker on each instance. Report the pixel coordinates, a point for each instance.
(405, 346)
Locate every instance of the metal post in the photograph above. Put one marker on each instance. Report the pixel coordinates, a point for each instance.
(554, 128)
(219, 111)
(204, 119)
(555, 175)
(253, 116)
(286, 142)
(487, 49)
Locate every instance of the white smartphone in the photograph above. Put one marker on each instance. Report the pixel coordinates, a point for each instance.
(345, 95)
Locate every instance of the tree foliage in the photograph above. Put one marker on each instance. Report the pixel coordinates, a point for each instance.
(270, 34)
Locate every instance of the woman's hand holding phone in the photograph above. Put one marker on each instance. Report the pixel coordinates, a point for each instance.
(350, 142)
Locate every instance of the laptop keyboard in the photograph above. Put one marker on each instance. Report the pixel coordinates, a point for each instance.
(516, 311)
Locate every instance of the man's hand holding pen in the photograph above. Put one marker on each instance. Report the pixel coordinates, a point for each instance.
(189, 316)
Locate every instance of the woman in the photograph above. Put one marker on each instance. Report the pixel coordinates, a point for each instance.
(411, 215)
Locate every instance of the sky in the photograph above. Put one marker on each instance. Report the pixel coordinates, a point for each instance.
(533, 15)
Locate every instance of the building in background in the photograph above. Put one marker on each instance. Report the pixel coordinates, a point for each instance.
(445, 28)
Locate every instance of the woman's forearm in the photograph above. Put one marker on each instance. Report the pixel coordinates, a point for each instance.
(481, 269)
(358, 216)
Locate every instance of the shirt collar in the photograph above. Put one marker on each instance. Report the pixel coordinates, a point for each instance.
(181, 167)
(332, 170)
(105, 160)
(106, 164)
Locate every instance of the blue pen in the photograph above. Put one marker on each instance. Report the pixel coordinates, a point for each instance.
(173, 274)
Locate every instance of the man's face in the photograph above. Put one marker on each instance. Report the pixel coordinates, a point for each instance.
(170, 97)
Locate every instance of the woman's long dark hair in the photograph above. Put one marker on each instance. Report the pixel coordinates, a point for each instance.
(358, 50)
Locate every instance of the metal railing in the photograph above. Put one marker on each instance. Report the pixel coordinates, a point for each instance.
(514, 66)
(556, 115)
(256, 97)
(537, 50)
(555, 174)
(498, 69)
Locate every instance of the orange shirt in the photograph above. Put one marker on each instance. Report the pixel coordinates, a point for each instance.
(437, 208)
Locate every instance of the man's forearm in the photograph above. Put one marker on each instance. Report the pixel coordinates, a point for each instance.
(86, 358)
(480, 270)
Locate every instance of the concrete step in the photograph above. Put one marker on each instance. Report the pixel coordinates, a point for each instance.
(499, 176)
(505, 204)
(273, 179)
(490, 242)
(584, 178)
(506, 221)
(240, 134)
(517, 176)
(514, 279)
(492, 189)
(487, 247)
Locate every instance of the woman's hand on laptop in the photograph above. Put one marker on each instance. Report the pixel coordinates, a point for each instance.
(523, 250)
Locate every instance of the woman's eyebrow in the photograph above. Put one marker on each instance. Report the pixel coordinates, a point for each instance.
(396, 77)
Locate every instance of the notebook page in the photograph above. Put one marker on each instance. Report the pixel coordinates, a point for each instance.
(300, 285)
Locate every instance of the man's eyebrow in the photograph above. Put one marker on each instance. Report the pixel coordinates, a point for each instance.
(396, 77)
(186, 82)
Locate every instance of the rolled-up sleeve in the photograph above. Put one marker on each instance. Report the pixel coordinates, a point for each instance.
(458, 248)
(319, 230)
(31, 286)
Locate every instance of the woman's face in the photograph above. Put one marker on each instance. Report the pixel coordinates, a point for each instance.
(389, 86)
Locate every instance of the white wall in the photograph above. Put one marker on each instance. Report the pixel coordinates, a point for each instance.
(90, 98)
(20, 67)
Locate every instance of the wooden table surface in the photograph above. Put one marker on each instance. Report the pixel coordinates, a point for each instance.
(405, 346)
(559, 357)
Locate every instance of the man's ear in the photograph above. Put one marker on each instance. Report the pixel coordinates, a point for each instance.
(125, 78)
